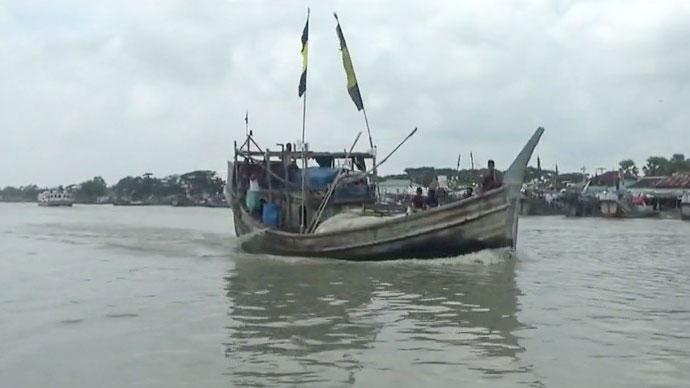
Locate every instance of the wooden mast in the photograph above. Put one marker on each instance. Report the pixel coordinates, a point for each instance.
(303, 212)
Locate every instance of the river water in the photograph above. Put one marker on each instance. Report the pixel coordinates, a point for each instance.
(161, 297)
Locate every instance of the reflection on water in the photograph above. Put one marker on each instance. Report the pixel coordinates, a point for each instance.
(313, 321)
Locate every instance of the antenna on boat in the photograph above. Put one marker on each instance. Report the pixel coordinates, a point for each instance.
(246, 123)
(457, 170)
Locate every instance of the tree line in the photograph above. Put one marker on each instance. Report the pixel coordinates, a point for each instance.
(658, 165)
(131, 188)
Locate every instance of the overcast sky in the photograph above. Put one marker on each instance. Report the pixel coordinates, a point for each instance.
(117, 88)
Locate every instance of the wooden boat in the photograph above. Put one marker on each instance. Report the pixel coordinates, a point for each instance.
(685, 206)
(489, 220)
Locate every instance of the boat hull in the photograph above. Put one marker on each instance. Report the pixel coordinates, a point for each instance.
(614, 209)
(610, 208)
(55, 204)
(457, 228)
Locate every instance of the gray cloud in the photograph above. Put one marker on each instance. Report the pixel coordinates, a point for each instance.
(126, 87)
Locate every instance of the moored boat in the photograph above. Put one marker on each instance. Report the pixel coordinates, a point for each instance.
(623, 205)
(55, 197)
(609, 204)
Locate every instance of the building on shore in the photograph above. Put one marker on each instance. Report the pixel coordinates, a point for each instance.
(666, 190)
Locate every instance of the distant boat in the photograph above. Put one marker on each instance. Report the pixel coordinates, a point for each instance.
(622, 205)
(685, 206)
(489, 220)
(55, 198)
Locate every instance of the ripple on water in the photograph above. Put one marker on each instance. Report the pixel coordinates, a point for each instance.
(319, 311)
(122, 315)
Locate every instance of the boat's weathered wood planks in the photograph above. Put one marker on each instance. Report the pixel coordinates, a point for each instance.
(452, 229)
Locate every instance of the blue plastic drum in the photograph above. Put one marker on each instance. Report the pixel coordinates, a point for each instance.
(271, 215)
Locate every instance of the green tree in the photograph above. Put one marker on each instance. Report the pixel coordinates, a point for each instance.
(678, 163)
(628, 167)
(202, 182)
(128, 188)
(421, 175)
(90, 190)
(656, 166)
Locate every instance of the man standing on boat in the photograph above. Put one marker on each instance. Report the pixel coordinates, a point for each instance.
(253, 196)
(492, 179)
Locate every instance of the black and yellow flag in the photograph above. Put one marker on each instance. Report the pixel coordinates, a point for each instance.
(352, 86)
(305, 54)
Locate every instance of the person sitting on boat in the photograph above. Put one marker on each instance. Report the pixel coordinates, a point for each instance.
(253, 198)
(468, 193)
(418, 202)
(431, 200)
(492, 179)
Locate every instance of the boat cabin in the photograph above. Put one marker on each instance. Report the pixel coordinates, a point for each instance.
(270, 185)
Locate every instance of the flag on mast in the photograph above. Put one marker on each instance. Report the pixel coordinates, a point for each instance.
(305, 54)
(352, 86)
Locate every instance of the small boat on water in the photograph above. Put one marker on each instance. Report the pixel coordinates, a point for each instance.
(623, 205)
(352, 228)
(685, 206)
(55, 197)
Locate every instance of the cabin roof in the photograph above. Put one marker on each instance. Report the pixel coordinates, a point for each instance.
(310, 154)
(647, 182)
(609, 178)
(676, 181)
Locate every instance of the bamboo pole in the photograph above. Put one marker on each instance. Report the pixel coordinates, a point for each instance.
(303, 213)
(392, 152)
(267, 160)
